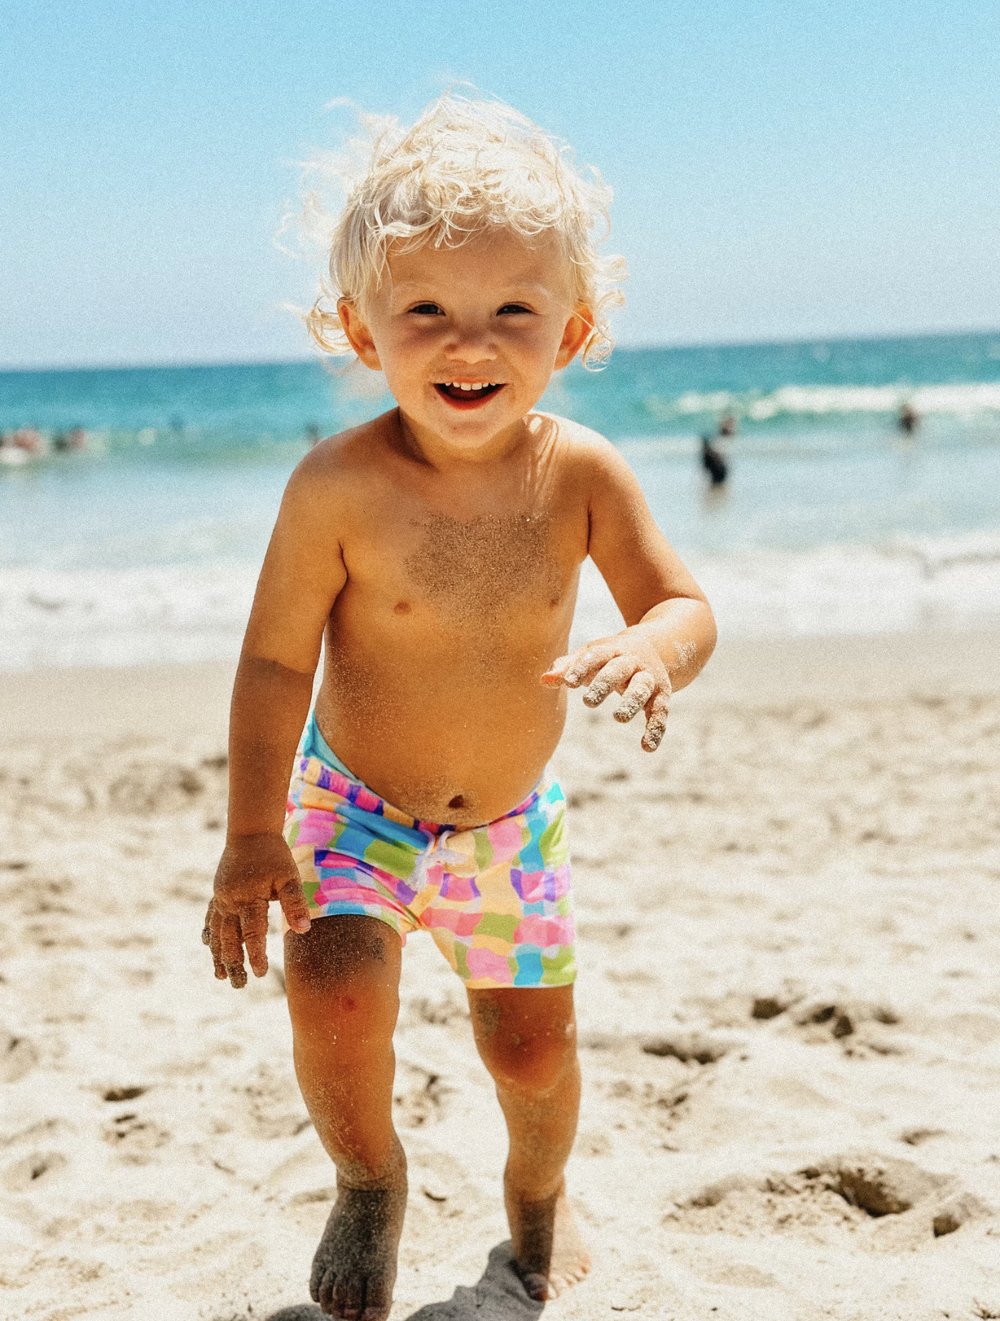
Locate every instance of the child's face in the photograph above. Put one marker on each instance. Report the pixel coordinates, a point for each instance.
(498, 312)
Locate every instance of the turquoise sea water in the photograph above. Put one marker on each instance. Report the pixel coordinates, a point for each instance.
(147, 543)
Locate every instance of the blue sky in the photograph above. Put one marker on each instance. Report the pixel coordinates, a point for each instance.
(781, 170)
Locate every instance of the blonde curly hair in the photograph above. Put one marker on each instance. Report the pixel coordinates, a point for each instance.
(464, 167)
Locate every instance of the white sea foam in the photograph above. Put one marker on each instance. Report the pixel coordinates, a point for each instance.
(904, 585)
(964, 401)
(122, 616)
(957, 400)
(197, 612)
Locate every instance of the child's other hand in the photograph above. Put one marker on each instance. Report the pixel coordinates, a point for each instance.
(626, 664)
(253, 871)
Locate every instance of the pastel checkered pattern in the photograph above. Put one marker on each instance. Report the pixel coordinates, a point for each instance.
(495, 898)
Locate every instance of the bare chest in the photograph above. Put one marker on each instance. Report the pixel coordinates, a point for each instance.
(485, 565)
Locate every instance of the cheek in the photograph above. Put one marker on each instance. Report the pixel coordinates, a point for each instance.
(412, 344)
(540, 342)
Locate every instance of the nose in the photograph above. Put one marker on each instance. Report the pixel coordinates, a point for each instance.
(470, 342)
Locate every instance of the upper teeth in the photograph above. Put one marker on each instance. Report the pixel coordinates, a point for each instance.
(463, 385)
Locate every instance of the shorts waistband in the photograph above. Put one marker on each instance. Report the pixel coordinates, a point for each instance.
(318, 764)
(315, 745)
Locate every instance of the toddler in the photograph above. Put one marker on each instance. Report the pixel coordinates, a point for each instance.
(433, 555)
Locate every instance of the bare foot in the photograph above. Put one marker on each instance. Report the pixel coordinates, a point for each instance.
(549, 1254)
(355, 1264)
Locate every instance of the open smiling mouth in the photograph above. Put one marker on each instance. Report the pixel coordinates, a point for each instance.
(473, 393)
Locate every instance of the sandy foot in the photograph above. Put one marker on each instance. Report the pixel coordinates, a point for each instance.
(354, 1269)
(549, 1254)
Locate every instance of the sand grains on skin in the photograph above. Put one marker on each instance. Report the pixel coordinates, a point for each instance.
(354, 1269)
(549, 1253)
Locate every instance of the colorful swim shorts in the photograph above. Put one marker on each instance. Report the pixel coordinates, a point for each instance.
(495, 898)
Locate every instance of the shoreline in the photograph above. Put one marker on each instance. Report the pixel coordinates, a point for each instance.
(186, 698)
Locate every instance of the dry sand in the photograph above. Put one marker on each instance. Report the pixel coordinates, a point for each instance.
(789, 1011)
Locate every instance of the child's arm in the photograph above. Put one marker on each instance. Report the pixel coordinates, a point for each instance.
(670, 630)
(302, 574)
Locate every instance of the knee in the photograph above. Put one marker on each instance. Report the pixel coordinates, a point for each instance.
(343, 983)
(532, 1065)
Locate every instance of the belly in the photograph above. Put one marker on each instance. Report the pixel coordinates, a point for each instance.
(447, 732)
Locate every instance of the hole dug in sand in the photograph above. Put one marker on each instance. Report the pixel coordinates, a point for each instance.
(895, 1203)
(876, 1187)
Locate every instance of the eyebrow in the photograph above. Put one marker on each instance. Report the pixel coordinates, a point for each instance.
(427, 286)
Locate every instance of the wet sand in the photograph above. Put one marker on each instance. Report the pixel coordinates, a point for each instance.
(789, 935)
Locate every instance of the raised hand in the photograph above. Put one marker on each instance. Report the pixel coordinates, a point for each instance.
(626, 663)
(254, 870)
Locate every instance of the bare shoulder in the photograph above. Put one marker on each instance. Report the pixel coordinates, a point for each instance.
(591, 455)
(574, 435)
(355, 451)
(340, 467)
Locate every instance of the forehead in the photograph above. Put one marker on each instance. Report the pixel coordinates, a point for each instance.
(494, 257)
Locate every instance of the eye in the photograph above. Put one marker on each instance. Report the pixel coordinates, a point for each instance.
(425, 309)
(509, 309)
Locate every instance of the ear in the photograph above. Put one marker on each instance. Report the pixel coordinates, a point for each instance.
(577, 328)
(357, 331)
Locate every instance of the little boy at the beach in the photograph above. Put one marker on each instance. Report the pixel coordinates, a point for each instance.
(436, 552)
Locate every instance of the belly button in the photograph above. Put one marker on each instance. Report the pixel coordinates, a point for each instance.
(402, 607)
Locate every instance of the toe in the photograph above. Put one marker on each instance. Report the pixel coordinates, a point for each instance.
(324, 1291)
(377, 1302)
(348, 1298)
(566, 1276)
(316, 1278)
(538, 1287)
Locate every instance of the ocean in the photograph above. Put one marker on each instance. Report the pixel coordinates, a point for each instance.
(145, 545)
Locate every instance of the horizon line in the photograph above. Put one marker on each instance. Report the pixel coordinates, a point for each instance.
(678, 346)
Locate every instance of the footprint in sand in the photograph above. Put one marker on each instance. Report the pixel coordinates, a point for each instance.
(27, 1172)
(146, 787)
(134, 1138)
(119, 1094)
(738, 1275)
(269, 1103)
(422, 1097)
(821, 1019)
(691, 1047)
(17, 1057)
(441, 1181)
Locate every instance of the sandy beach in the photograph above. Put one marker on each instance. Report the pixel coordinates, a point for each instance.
(789, 1013)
